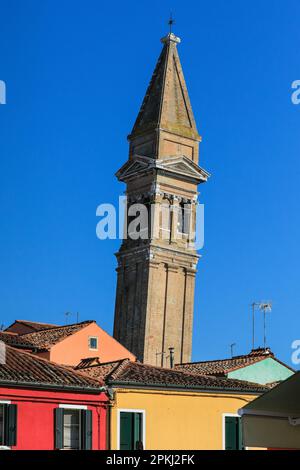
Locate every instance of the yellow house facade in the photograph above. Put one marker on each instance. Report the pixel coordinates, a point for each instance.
(179, 420)
(161, 409)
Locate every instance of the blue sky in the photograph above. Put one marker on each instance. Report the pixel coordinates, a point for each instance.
(76, 73)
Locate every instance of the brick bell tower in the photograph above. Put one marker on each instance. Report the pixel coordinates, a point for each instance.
(156, 273)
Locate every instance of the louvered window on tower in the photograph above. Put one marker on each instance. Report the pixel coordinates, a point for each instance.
(139, 220)
(165, 219)
(184, 218)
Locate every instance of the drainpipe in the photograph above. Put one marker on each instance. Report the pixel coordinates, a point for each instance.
(111, 396)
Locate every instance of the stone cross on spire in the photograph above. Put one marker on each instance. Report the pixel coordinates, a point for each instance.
(171, 22)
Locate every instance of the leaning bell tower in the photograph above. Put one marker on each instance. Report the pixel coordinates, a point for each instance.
(156, 271)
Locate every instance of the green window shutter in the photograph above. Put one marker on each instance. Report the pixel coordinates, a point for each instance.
(137, 431)
(10, 423)
(59, 428)
(231, 433)
(126, 431)
(86, 429)
(240, 434)
(131, 431)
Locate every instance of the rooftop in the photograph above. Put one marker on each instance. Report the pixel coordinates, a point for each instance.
(15, 340)
(129, 373)
(45, 338)
(221, 367)
(35, 326)
(25, 369)
(49, 337)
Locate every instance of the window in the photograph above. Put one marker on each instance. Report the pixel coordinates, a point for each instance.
(139, 220)
(233, 433)
(131, 430)
(73, 429)
(165, 217)
(93, 342)
(184, 216)
(8, 424)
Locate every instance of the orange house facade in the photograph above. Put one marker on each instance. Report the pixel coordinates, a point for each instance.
(67, 344)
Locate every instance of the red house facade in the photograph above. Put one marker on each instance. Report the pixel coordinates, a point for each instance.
(45, 406)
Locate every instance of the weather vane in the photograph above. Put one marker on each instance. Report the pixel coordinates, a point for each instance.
(171, 22)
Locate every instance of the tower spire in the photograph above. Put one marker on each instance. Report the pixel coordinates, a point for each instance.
(166, 106)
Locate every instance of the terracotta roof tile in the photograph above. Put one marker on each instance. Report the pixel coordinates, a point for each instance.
(88, 361)
(15, 340)
(224, 366)
(126, 372)
(46, 338)
(36, 326)
(21, 368)
(102, 371)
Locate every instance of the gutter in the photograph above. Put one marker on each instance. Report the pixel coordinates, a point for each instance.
(293, 419)
(46, 386)
(153, 386)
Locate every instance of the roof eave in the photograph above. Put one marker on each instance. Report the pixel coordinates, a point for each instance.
(188, 388)
(47, 386)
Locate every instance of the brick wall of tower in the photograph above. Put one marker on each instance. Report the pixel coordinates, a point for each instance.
(154, 310)
(131, 302)
(169, 313)
(156, 277)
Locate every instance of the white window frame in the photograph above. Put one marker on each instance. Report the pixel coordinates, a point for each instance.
(93, 337)
(131, 410)
(74, 407)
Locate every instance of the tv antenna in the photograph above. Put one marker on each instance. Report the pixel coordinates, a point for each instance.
(263, 307)
(162, 354)
(67, 314)
(254, 305)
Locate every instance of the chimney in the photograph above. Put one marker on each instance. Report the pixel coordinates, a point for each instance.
(171, 357)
